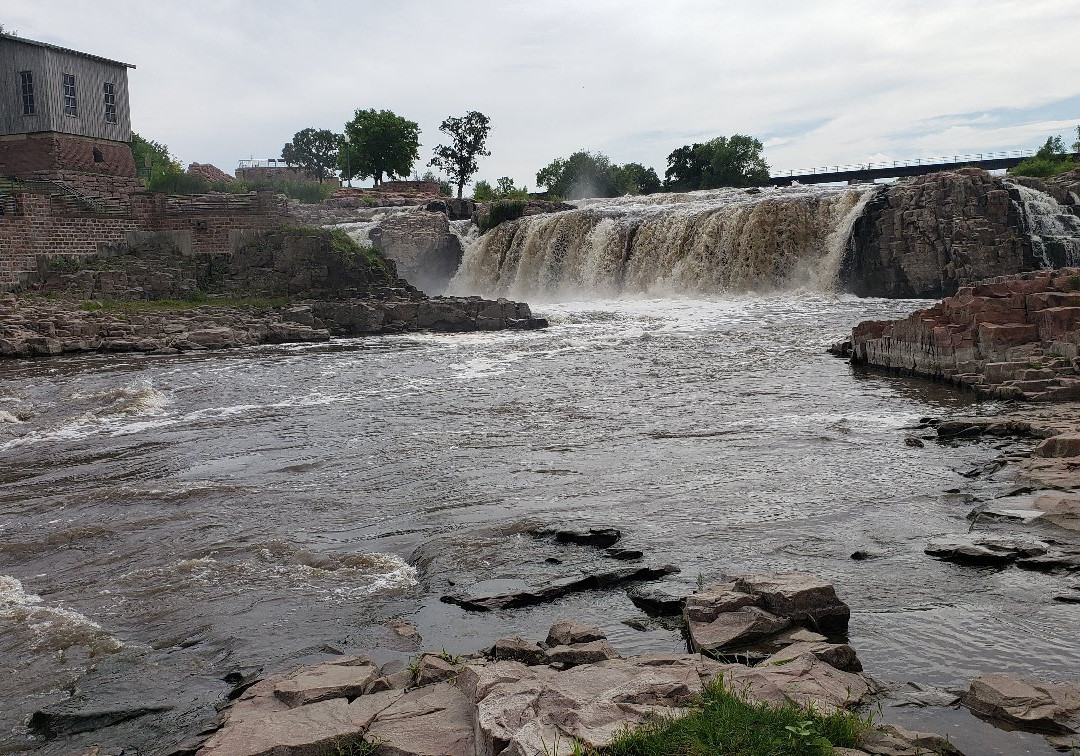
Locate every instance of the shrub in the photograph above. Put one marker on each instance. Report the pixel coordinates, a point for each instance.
(500, 212)
(1043, 167)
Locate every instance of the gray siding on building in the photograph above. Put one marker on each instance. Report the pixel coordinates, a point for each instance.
(48, 66)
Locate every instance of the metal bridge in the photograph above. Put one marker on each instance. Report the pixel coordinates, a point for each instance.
(989, 161)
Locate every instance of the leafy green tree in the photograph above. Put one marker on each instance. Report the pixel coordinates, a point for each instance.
(469, 134)
(377, 143)
(723, 161)
(314, 150)
(1050, 159)
(482, 191)
(1053, 149)
(583, 174)
(505, 186)
(587, 174)
(634, 178)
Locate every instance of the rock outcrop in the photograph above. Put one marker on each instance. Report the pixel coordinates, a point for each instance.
(495, 704)
(754, 610)
(928, 236)
(283, 286)
(422, 247)
(1015, 337)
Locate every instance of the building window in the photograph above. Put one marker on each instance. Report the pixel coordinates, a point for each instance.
(70, 107)
(27, 92)
(110, 103)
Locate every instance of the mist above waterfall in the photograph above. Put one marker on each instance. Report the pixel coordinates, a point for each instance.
(708, 242)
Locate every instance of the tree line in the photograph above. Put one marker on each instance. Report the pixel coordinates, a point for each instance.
(379, 143)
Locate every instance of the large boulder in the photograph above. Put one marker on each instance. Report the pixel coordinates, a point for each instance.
(1027, 704)
(805, 599)
(426, 251)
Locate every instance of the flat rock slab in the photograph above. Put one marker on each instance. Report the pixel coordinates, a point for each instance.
(529, 709)
(706, 605)
(510, 594)
(567, 633)
(985, 550)
(432, 721)
(1026, 704)
(662, 598)
(323, 682)
(805, 681)
(305, 729)
(891, 740)
(839, 655)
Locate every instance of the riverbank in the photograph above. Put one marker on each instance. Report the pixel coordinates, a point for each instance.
(40, 327)
(293, 284)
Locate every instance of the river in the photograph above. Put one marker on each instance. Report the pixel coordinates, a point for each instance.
(167, 520)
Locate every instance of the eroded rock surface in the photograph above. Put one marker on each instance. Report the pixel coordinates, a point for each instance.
(1014, 337)
(1027, 704)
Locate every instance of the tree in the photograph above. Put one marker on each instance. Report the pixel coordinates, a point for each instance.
(470, 133)
(634, 178)
(314, 150)
(587, 174)
(1054, 149)
(482, 191)
(378, 143)
(583, 174)
(723, 161)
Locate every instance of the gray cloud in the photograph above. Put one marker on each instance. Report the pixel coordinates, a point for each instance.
(827, 82)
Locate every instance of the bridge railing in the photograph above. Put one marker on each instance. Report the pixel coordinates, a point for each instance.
(945, 160)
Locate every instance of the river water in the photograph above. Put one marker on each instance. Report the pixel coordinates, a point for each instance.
(167, 520)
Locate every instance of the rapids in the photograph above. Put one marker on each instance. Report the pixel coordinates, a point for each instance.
(166, 521)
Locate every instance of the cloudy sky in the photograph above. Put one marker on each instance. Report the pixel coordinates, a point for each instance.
(818, 81)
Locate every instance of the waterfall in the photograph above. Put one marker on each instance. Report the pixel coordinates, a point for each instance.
(1053, 230)
(706, 242)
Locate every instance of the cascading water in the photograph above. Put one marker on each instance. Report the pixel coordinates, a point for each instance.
(1053, 230)
(701, 242)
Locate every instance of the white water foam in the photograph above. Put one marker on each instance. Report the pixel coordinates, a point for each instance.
(49, 628)
(286, 566)
(699, 243)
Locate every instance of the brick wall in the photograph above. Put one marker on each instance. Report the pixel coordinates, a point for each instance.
(33, 225)
(32, 155)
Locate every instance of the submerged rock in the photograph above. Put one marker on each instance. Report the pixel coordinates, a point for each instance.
(985, 550)
(61, 722)
(510, 594)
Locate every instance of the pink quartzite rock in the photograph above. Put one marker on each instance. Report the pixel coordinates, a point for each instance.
(1028, 704)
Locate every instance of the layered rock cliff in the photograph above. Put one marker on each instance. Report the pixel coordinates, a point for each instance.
(1009, 337)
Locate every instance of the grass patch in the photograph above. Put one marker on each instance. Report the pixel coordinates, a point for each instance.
(197, 299)
(721, 723)
(500, 212)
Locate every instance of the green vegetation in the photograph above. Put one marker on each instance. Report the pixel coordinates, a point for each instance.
(723, 161)
(163, 173)
(587, 174)
(1051, 159)
(314, 150)
(504, 189)
(378, 143)
(350, 249)
(469, 134)
(501, 211)
(723, 724)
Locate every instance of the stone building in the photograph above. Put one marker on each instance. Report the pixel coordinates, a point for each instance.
(64, 114)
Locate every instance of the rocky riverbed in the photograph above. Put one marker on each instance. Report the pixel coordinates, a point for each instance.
(574, 689)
